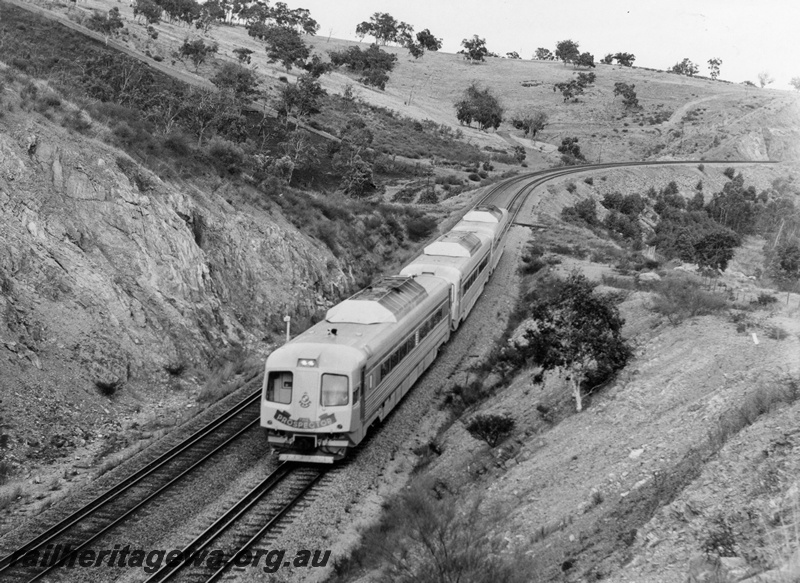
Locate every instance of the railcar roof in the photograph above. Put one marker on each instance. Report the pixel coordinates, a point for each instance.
(484, 214)
(455, 244)
(383, 302)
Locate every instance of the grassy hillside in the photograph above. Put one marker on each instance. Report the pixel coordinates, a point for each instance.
(680, 117)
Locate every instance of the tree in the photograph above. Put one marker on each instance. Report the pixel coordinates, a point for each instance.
(481, 106)
(715, 249)
(571, 151)
(491, 428)
(353, 156)
(197, 51)
(183, 10)
(148, 9)
(106, 24)
(585, 60)
(373, 64)
(316, 67)
(786, 262)
(300, 99)
(513, 55)
(239, 80)
(629, 99)
(529, 120)
(574, 87)
(299, 19)
(567, 51)
(713, 67)
(428, 42)
(211, 12)
(284, 44)
(474, 49)
(795, 82)
(243, 55)
(543, 54)
(577, 333)
(625, 59)
(764, 78)
(384, 28)
(207, 109)
(685, 67)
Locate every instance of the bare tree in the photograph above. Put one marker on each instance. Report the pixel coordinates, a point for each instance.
(764, 78)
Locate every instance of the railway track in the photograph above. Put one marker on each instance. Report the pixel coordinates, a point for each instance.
(85, 525)
(242, 526)
(516, 189)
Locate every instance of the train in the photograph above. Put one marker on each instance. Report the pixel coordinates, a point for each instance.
(324, 389)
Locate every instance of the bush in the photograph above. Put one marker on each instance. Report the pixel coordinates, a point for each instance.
(532, 259)
(491, 428)
(227, 157)
(420, 227)
(679, 298)
(765, 299)
(582, 212)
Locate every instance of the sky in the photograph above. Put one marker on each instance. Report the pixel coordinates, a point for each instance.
(750, 36)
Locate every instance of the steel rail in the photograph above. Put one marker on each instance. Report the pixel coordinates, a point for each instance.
(235, 514)
(129, 482)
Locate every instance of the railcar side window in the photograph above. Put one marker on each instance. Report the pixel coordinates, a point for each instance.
(334, 390)
(279, 387)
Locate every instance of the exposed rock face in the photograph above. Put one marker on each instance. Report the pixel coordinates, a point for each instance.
(107, 268)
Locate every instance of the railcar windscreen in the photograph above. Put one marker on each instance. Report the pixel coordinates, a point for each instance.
(279, 387)
(334, 390)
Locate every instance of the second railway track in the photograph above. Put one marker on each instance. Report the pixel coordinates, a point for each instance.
(97, 517)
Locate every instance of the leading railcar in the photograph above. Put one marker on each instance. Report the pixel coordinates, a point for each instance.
(326, 387)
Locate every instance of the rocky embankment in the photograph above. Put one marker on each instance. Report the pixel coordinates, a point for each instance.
(110, 278)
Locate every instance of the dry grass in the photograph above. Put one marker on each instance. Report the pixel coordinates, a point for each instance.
(230, 376)
(8, 494)
(758, 402)
(681, 297)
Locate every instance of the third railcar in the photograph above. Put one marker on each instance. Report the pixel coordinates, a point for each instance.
(326, 387)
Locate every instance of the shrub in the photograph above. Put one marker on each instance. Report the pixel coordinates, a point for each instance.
(108, 387)
(584, 211)
(777, 333)
(235, 370)
(532, 259)
(474, 177)
(679, 298)
(420, 227)
(571, 188)
(720, 538)
(589, 180)
(491, 428)
(765, 299)
(428, 197)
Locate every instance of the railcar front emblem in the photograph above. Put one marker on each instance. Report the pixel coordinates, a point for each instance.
(305, 401)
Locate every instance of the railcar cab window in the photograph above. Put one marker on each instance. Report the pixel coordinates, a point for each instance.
(334, 390)
(279, 387)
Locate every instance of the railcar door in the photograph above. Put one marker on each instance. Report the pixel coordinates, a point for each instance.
(363, 393)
